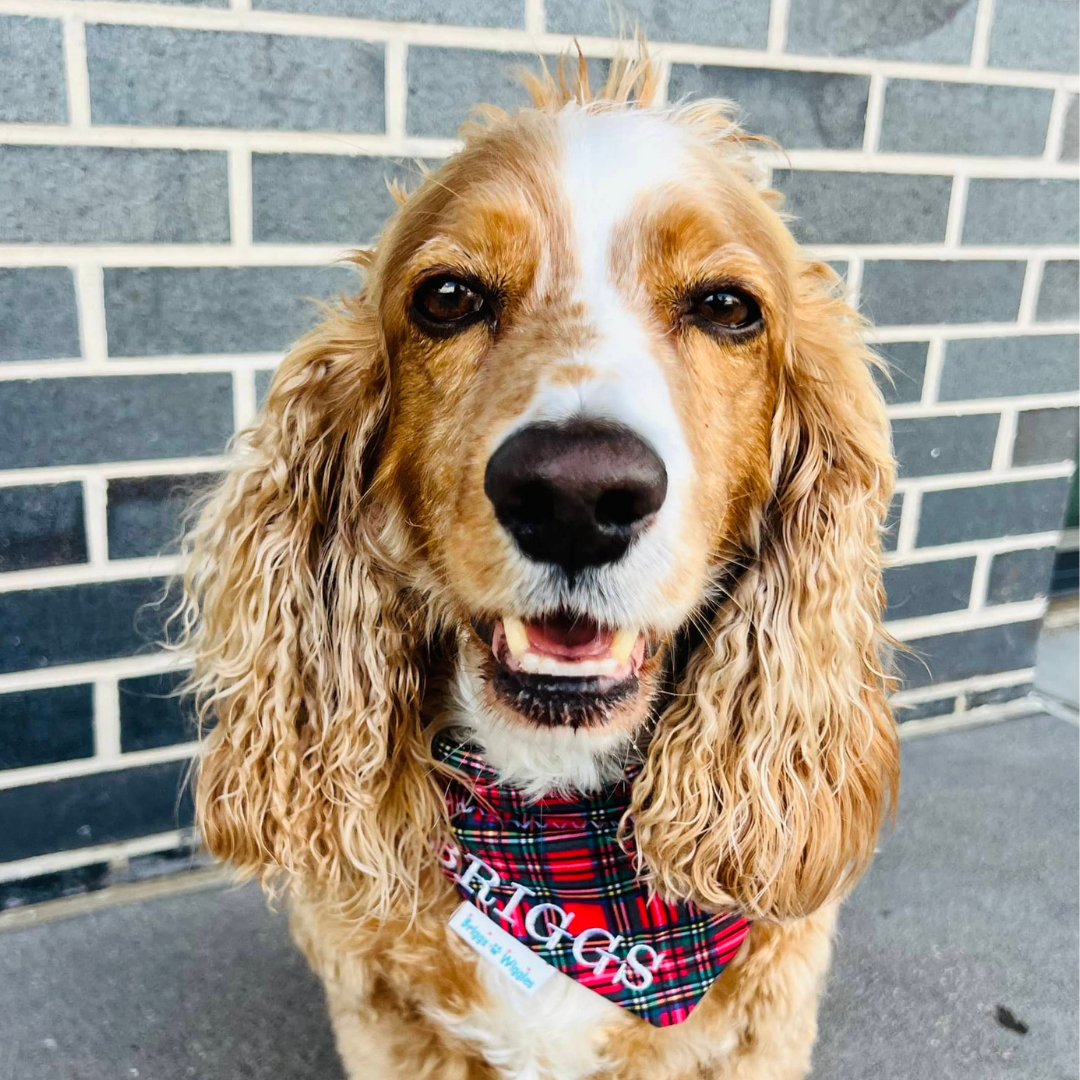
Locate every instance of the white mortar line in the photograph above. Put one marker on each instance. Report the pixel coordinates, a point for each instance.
(54, 577)
(976, 684)
(885, 334)
(71, 860)
(90, 306)
(975, 406)
(663, 79)
(106, 722)
(534, 17)
(60, 474)
(240, 5)
(875, 111)
(192, 364)
(980, 581)
(240, 201)
(908, 527)
(359, 144)
(126, 667)
(78, 75)
(1003, 445)
(1057, 127)
(1029, 294)
(95, 515)
(995, 545)
(983, 479)
(65, 770)
(853, 280)
(396, 89)
(952, 622)
(980, 45)
(288, 255)
(244, 398)
(995, 713)
(509, 40)
(954, 226)
(935, 362)
(778, 27)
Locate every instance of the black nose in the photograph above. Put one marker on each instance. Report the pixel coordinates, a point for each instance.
(575, 494)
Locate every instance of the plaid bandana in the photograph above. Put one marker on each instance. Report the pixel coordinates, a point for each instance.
(552, 874)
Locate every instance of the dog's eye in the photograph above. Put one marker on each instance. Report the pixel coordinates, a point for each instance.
(726, 309)
(446, 304)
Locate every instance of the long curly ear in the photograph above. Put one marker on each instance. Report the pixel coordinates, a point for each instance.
(305, 668)
(770, 774)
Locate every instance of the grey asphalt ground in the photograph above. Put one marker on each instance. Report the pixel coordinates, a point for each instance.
(970, 909)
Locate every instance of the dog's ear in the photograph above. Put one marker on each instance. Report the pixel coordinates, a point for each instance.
(771, 772)
(306, 671)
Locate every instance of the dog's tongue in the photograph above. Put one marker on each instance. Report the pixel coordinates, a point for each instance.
(569, 639)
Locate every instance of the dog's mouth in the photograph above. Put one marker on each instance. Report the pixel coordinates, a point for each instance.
(564, 669)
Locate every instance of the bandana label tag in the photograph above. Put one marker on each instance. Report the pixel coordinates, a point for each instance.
(500, 949)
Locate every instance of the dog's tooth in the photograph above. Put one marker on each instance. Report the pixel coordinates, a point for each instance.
(622, 644)
(516, 637)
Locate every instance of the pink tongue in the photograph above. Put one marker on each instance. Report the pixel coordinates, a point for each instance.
(566, 640)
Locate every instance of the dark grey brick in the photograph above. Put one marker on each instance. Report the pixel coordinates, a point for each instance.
(40, 726)
(1020, 575)
(978, 513)
(933, 32)
(1044, 436)
(924, 710)
(1022, 212)
(113, 418)
(446, 84)
(1066, 576)
(43, 887)
(38, 319)
(1070, 143)
(453, 12)
(933, 445)
(79, 623)
(87, 810)
(153, 712)
(216, 309)
(967, 653)
(892, 523)
(1059, 294)
(957, 118)
(866, 208)
(146, 514)
(929, 291)
(742, 23)
(32, 88)
(929, 588)
(75, 194)
(41, 525)
(798, 109)
(979, 698)
(1035, 34)
(317, 198)
(263, 379)
(1005, 367)
(907, 367)
(143, 75)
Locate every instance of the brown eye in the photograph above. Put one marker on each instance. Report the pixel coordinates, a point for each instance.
(447, 304)
(726, 310)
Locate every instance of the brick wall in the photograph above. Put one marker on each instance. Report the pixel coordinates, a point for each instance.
(176, 179)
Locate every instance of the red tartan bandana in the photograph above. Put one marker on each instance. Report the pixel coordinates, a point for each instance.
(552, 874)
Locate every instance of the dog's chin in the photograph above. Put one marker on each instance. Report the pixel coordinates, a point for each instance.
(564, 672)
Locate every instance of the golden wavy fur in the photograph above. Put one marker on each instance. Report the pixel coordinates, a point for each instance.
(332, 575)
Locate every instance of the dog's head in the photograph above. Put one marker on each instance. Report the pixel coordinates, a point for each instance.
(594, 464)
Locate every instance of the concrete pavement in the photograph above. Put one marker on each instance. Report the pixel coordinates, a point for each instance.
(964, 932)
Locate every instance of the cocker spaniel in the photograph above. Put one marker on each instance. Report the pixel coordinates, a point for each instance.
(538, 626)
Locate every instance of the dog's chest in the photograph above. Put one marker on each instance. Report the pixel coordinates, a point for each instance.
(557, 1032)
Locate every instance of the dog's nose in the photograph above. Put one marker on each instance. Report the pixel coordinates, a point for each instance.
(575, 494)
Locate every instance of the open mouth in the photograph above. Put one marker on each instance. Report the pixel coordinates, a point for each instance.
(563, 669)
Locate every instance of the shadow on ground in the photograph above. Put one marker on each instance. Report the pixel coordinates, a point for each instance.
(964, 931)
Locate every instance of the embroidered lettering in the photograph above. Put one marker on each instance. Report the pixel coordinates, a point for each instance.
(488, 880)
(644, 972)
(556, 932)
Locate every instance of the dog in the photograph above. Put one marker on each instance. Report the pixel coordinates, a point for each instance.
(538, 626)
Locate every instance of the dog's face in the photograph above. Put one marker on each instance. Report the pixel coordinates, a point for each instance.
(585, 316)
